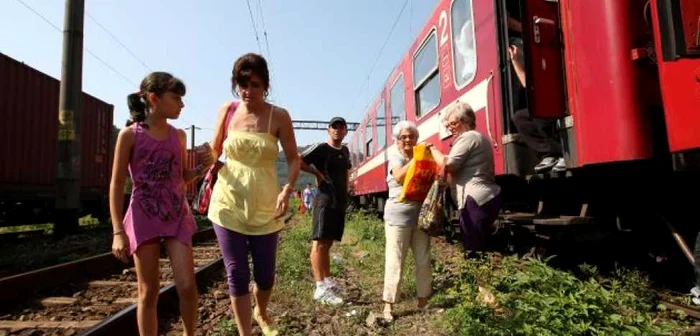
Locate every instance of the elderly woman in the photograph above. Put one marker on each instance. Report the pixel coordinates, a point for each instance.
(470, 167)
(401, 224)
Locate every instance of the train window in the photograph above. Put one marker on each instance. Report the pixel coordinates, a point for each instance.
(426, 76)
(463, 48)
(353, 156)
(396, 101)
(358, 151)
(368, 139)
(381, 126)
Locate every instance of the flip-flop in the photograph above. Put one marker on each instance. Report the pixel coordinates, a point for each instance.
(267, 330)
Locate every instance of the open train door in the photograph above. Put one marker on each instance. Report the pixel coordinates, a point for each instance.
(677, 39)
(543, 59)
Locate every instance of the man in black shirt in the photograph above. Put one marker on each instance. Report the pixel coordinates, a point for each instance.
(330, 162)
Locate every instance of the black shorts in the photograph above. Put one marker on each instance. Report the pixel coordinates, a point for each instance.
(328, 222)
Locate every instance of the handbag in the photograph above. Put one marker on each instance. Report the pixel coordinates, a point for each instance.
(200, 204)
(432, 218)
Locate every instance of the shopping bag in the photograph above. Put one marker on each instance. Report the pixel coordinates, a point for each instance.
(431, 218)
(420, 175)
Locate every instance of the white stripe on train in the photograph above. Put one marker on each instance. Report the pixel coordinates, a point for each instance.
(476, 98)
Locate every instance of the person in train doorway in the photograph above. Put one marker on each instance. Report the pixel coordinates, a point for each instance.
(308, 196)
(538, 134)
(330, 163)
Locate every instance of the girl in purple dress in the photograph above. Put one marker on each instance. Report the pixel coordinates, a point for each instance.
(154, 154)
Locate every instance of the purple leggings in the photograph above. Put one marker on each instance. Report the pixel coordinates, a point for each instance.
(235, 248)
(476, 222)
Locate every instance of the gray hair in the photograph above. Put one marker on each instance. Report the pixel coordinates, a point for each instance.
(463, 111)
(405, 125)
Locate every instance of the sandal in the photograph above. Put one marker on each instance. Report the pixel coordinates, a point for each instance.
(267, 329)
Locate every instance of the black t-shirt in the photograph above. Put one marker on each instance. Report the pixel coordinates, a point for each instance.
(334, 165)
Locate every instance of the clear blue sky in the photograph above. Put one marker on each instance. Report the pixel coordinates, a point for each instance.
(320, 52)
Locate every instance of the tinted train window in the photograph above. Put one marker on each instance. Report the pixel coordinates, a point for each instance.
(358, 150)
(397, 102)
(463, 48)
(381, 126)
(353, 153)
(426, 79)
(368, 139)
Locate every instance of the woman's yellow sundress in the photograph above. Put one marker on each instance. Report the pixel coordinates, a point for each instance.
(244, 198)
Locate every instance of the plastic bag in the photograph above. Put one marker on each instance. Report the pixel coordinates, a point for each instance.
(419, 177)
(432, 216)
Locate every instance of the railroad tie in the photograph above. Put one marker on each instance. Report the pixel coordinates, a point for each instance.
(58, 301)
(14, 326)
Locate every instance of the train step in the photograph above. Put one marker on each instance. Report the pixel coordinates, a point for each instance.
(541, 220)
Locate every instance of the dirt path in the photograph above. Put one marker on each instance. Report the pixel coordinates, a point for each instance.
(358, 267)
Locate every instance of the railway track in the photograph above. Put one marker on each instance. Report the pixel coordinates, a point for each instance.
(92, 296)
(96, 295)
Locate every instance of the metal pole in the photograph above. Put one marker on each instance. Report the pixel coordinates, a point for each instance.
(192, 137)
(69, 111)
(192, 129)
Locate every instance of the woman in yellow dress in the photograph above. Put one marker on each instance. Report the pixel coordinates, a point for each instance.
(246, 204)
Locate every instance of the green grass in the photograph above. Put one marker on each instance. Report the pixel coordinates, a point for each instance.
(531, 298)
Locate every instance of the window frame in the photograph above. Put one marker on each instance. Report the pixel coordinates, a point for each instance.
(369, 126)
(453, 49)
(382, 104)
(400, 78)
(434, 72)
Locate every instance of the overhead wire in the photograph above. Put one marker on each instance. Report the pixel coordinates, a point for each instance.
(376, 60)
(255, 29)
(94, 55)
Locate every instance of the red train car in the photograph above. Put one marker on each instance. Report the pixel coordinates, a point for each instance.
(621, 78)
(191, 189)
(28, 146)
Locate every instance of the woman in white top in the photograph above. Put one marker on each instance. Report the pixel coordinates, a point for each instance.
(401, 224)
(470, 166)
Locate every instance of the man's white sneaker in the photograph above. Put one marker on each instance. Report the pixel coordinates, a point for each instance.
(330, 284)
(326, 296)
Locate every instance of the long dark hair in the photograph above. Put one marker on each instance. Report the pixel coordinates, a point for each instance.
(158, 83)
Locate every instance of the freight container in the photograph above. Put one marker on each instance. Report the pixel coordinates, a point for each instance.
(28, 146)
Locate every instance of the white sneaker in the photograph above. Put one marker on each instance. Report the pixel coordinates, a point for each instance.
(330, 284)
(546, 164)
(695, 291)
(326, 296)
(560, 166)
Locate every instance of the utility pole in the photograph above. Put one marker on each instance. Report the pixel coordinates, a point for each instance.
(69, 111)
(192, 129)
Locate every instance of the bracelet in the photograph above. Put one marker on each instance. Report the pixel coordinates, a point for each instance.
(118, 232)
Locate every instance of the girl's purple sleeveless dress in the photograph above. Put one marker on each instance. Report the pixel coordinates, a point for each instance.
(158, 207)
